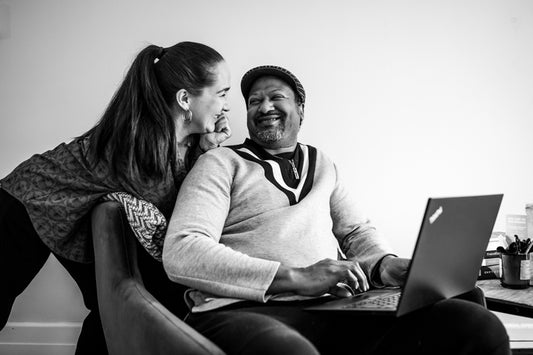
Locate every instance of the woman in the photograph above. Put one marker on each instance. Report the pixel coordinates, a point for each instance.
(170, 107)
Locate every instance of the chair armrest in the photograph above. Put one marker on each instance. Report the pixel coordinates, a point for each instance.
(134, 322)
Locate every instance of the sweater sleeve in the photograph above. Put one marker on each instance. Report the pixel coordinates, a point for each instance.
(358, 238)
(192, 254)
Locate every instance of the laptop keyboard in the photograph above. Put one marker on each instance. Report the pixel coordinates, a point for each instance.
(389, 301)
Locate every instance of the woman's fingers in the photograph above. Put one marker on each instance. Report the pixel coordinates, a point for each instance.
(214, 139)
(222, 129)
(222, 124)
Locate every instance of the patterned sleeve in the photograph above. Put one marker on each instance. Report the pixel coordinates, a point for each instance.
(146, 221)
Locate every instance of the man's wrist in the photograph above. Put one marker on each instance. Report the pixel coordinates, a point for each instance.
(284, 281)
(379, 269)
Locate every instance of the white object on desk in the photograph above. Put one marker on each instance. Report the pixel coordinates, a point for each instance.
(519, 329)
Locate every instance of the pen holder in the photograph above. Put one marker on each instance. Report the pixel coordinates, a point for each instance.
(516, 271)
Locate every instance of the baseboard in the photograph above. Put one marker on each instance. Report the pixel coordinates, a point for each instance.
(59, 338)
(39, 338)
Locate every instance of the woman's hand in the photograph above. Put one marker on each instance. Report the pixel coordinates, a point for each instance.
(319, 278)
(213, 139)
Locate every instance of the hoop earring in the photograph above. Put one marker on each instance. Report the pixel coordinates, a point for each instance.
(188, 116)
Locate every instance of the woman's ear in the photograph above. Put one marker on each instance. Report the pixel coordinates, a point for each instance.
(182, 98)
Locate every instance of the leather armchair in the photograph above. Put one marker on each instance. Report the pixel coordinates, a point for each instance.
(134, 321)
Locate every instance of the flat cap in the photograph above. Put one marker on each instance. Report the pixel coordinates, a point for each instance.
(271, 70)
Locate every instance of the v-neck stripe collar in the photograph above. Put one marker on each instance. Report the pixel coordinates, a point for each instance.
(273, 172)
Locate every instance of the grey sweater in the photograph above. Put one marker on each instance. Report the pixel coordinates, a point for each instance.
(236, 221)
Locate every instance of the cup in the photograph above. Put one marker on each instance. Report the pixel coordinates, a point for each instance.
(516, 271)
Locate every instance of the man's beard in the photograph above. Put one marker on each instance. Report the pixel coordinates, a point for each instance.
(270, 135)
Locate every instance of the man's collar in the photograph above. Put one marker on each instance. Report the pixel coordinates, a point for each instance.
(262, 153)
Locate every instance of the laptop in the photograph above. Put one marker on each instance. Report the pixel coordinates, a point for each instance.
(453, 237)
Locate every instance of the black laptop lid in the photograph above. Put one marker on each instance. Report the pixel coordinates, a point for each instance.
(452, 240)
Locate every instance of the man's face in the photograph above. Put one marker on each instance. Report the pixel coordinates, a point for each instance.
(273, 114)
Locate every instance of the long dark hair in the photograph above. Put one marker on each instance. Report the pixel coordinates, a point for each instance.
(136, 136)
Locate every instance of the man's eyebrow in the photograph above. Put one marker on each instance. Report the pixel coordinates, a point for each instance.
(222, 90)
(279, 91)
(271, 91)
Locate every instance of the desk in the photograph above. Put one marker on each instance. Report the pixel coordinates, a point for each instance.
(507, 300)
(511, 306)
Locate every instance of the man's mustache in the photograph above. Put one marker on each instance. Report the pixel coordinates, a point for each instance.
(269, 113)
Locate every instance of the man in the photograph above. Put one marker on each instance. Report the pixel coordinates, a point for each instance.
(256, 233)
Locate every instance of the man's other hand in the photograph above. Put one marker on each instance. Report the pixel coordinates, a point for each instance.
(393, 270)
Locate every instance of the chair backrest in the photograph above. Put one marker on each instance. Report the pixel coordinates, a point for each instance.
(134, 322)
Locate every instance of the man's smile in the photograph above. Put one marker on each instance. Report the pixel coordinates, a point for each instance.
(268, 120)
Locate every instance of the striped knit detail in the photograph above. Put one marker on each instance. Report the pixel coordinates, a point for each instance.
(274, 175)
(146, 221)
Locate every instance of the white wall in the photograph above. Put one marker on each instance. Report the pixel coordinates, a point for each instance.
(411, 98)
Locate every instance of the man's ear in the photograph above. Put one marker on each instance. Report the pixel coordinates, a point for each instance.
(301, 112)
(182, 98)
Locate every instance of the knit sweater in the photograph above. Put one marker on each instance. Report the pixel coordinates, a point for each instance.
(59, 188)
(238, 220)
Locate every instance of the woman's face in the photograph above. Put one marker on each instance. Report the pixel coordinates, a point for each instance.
(211, 103)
